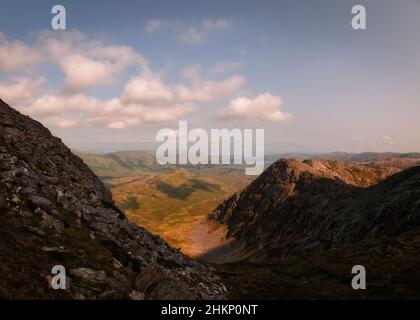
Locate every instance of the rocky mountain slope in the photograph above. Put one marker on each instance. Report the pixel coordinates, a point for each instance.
(365, 156)
(399, 160)
(55, 211)
(299, 207)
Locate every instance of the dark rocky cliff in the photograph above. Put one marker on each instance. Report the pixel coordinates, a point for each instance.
(297, 207)
(55, 211)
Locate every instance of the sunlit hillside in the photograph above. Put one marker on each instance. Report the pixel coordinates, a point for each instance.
(166, 201)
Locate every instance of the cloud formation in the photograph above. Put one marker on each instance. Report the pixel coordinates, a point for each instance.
(264, 107)
(87, 64)
(80, 110)
(191, 34)
(388, 140)
(151, 89)
(21, 89)
(145, 98)
(15, 55)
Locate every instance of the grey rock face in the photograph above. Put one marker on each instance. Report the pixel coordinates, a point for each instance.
(55, 201)
(41, 202)
(297, 207)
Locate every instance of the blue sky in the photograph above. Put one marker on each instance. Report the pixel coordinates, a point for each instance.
(295, 68)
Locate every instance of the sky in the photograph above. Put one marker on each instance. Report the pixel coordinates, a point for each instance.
(123, 70)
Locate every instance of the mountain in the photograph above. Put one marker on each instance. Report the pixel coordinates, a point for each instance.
(365, 156)
(295, 207)
(137, 163)
(55, 211)
(132, 163)
(124, 163)
(400, 160)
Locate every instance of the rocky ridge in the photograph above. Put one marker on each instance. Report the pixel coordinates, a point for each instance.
(55, 211)
(297, 207)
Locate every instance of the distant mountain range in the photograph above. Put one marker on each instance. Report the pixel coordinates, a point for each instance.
(129, 163)
(122, 163)
(343, 156)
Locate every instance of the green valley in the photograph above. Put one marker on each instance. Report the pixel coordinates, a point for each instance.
(167, 200)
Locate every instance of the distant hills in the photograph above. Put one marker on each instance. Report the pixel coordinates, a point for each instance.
(343, 156)
(122, 163)
(365, 156)
(129, 163)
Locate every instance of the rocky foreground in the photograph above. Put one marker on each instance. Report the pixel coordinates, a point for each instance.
(55, 211)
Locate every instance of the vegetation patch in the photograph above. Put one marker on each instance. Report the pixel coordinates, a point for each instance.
(179, 192)
(131, 204)
(183, 191)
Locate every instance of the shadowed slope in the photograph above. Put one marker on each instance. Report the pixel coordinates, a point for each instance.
(295, 207)
(55, 211)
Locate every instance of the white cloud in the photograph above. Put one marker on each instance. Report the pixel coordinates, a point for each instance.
(87, 64)
(147, 90)
(209, 90)
(15, 55)
(66, 111)
(152, 90)
(191, 34)
(21, 90)
(265, 107)
(389, 140)
(145, 99)
(192, 73)
(82, 73)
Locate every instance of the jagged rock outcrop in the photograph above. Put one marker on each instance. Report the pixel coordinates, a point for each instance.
(295, 207)
(55, 211)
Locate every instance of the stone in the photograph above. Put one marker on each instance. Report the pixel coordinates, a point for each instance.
(136, 295)
(41, 202)
(3, 204)
(51, 223)
(54, 249)
(37, 231)
(90, 275)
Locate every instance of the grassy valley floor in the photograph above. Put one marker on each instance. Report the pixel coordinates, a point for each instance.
(172, 204)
